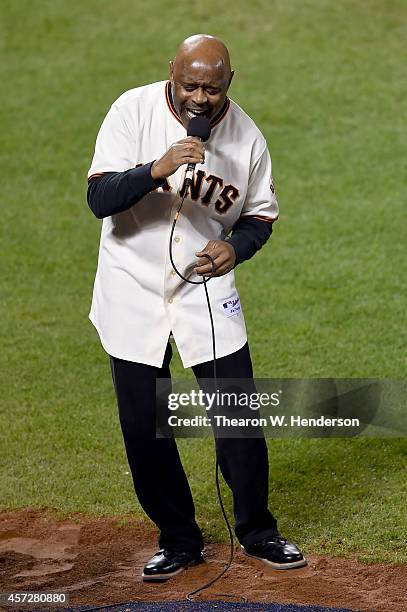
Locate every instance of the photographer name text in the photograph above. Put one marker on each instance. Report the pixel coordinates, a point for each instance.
(273, 421)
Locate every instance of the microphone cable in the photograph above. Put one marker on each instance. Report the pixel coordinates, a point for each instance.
(204, 282)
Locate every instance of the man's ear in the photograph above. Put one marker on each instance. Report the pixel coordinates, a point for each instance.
(171, 65)
(231, 77)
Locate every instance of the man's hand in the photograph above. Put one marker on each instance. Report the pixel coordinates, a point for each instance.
(185, 151)
(222, 253)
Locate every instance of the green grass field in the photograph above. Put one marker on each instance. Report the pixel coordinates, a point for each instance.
(325, 81)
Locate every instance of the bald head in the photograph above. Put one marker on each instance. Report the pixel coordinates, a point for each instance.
(205, 51)
(200, 75)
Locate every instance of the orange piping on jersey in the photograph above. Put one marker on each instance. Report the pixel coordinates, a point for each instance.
(169, 102)
(266, 219)
(171, 106)
(222, 114)
(96, 175)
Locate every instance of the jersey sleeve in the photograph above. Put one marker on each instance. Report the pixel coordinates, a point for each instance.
(114, 149)
(261, 202)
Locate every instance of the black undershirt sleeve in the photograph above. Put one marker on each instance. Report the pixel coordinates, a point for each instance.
(248, 236)
(114, 192)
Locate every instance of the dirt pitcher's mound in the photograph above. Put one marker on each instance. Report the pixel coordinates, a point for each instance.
(98, 562)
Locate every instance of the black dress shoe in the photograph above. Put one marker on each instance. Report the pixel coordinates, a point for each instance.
(276, 552)
(167, 563)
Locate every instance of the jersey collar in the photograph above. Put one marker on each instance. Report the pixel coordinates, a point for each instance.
(214, 121)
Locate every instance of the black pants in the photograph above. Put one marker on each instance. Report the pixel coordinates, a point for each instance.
(158, 476)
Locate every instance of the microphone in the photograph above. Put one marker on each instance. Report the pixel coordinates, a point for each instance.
(200, 127)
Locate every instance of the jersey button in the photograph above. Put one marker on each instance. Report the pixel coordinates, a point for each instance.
(169, 300)
(177, 238)
(173, 273)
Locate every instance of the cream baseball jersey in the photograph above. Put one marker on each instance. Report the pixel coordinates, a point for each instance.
(138, 299)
